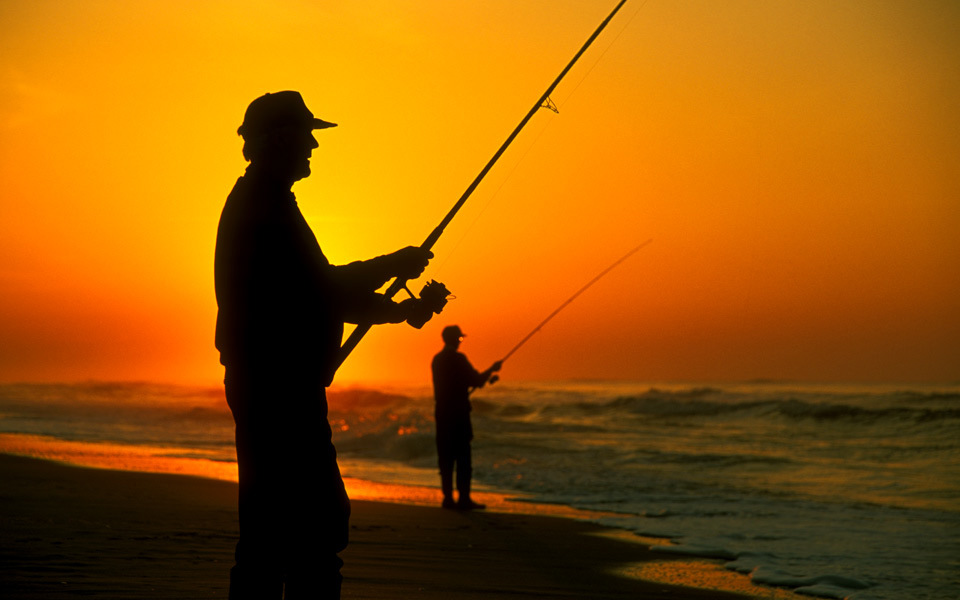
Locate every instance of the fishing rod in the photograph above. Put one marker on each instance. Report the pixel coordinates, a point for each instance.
(565, 304)
(435, 293)
(569, 300)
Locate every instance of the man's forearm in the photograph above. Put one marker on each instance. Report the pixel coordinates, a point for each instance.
(365, 275)
(374, 308)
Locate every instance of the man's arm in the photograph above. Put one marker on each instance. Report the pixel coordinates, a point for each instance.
(378, 309)
(371, 275)
(478, 379)
(489, 372)
(358, 281)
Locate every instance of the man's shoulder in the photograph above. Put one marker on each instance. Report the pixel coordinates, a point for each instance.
(240, 196)
(251, 199)
(447, 360)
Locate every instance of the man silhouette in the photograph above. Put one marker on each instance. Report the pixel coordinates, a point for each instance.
(453, 378)
(282, 308)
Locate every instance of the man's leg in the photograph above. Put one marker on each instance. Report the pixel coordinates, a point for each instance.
(317, 509)
(250, 579)
(464, 475)
(464, 472)
(321, 580)
(465, 467)
(317, 534)
(257, 573)
(445, 460)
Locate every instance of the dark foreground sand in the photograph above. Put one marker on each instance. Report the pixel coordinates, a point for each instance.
(69, 532)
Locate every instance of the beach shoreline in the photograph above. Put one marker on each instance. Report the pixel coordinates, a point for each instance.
(71, 531)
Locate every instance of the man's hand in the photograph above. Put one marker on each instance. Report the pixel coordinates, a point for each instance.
(415, 312)
(409, 262)
(488, 375)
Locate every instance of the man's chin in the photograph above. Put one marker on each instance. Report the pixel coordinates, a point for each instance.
(303, 173)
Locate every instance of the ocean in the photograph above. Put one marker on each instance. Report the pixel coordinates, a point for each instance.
(832, 491)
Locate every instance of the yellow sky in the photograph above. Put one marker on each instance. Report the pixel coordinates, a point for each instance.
(797, 165)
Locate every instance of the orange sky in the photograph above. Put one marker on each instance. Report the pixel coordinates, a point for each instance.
(797, 165)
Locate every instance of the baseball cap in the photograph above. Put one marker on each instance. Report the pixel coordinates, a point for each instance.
(451, 333)
(279, 109)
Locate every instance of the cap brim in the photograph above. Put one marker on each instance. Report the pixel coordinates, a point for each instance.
(321, 124)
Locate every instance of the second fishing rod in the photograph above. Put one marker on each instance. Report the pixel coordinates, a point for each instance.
(434, 293)
(565, 304)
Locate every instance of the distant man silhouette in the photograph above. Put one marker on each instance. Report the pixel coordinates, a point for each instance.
(282, 308)
(453, 378)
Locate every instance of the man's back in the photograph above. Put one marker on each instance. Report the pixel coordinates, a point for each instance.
(453, 376)
(269, 277)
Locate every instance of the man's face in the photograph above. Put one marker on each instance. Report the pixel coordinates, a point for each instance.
(286, 152)
(299, 144)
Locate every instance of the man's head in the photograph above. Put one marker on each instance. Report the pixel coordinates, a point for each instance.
(277, 132)
(452, 336)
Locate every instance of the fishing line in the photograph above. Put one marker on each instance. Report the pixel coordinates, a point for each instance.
(602, 54)
(535, 140)
(493, 196)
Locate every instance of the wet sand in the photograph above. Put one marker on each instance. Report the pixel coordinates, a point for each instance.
(69, 532)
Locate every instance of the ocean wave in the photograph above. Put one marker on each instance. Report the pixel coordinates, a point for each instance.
(712, 402)
(364, 399)
(407, 447)
(798, 409)
(823, 586)
(922, 397)
(714, 459)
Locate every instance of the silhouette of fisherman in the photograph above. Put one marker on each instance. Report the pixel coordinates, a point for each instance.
(282, 308)
(453, 379)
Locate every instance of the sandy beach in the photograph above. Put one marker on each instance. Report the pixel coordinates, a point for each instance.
(70, 531)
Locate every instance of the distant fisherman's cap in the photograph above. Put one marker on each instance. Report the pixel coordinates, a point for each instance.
(452, 333)
(279, 109)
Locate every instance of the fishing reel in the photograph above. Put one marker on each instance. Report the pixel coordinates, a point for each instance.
(433, 297)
